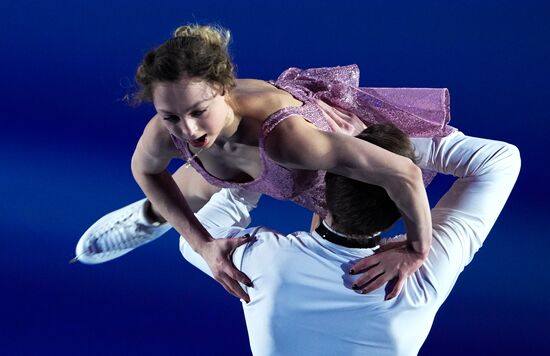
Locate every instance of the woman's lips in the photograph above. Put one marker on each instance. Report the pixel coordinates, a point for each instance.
(200, 142)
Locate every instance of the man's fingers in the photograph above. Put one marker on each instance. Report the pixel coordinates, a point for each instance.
(396, 289)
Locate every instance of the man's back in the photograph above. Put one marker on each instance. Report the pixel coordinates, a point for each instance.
(302, 303)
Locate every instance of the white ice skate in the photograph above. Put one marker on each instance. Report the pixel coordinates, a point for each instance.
(117, 233)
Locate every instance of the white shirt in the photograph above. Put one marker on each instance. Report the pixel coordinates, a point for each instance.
(302, 302)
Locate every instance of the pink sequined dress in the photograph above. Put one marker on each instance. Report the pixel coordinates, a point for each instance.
(418, 112)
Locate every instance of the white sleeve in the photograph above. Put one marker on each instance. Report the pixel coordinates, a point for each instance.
(461, 220)
(224, 216)
(228, 207)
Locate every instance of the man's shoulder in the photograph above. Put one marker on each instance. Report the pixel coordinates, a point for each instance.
(267, 242)
(265, 249)
(264, 237)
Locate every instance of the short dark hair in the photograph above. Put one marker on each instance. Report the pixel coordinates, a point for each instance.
(360, 208)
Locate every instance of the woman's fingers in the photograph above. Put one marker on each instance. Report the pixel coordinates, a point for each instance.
(233, 272)
(241, 240)
(218, 255)
(237, 275)
(233, 287)
(364, 264)
(396, 289)
(237, 290)
(375, 283)
(226, 287)
(368, 277)
(230, 276)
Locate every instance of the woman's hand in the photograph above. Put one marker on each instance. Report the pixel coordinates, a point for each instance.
(340, 120)
(218, 253)
(394, 264)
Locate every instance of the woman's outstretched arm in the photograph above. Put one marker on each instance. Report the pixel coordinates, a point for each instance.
(149, 162)
(295, 143)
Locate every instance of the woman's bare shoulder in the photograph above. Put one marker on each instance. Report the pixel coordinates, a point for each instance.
(296, 143)
(258, 99)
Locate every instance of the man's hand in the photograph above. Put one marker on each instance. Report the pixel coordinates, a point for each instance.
(395, 264)
(217, 254)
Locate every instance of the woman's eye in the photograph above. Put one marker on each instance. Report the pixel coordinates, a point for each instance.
(171, 118)
(197, 113)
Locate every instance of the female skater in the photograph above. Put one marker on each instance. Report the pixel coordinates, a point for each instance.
(277, 138)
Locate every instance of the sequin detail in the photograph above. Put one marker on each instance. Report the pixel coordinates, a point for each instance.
(419, 112)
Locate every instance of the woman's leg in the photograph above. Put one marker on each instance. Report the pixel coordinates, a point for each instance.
(196, 190)
(136, 224)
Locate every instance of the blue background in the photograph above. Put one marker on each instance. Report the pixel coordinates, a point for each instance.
(67, 138)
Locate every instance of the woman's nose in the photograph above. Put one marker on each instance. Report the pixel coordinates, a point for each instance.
(188, 127)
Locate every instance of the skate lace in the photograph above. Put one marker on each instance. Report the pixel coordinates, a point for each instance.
(122, 235)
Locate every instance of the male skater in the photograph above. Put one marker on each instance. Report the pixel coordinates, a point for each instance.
(303, 300)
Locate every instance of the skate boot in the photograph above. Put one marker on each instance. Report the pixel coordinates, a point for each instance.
(118, 233)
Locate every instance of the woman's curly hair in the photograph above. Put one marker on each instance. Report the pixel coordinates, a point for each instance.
(197, 51)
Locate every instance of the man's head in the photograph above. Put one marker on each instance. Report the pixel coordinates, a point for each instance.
(359, 208)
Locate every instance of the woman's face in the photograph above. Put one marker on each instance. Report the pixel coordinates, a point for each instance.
(192, 110)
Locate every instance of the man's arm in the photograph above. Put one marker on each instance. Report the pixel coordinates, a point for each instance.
(228, 208)
(462, 219)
